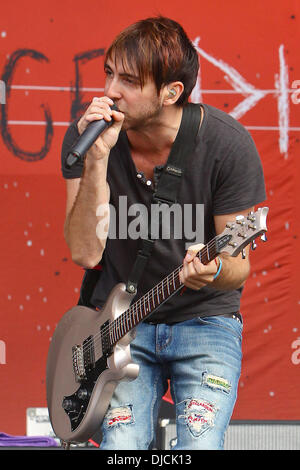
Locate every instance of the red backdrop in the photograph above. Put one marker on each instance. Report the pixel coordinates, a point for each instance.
(51, 64)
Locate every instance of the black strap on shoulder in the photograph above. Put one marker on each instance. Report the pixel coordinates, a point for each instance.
(169, 182)
(168, 187)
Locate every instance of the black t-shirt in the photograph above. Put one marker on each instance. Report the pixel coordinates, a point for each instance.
(223, 175)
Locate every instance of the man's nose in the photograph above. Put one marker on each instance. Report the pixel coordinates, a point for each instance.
(112, 90)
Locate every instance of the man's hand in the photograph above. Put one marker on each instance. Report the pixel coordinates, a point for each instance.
(97, 110)
(194, 274)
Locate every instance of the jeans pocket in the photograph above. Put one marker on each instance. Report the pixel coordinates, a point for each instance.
(226, 323)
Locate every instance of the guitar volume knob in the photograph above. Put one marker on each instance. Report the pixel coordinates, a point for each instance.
(68, 404)
(83, 394)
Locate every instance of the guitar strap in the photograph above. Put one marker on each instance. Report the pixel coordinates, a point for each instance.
(169, 182)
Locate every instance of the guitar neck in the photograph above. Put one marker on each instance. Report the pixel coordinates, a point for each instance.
(154, 298)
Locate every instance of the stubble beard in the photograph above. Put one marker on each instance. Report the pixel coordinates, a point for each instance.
(146, 117)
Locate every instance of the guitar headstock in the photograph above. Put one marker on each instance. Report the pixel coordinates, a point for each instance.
(242, 232)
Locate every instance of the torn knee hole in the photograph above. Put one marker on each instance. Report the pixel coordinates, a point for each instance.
(199, 415)
(119, 416)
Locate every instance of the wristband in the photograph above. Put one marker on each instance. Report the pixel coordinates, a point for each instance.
(219, 268)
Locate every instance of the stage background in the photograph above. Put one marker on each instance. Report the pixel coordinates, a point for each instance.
(52, 64)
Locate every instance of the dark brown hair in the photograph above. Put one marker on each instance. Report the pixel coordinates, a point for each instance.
(158, 49)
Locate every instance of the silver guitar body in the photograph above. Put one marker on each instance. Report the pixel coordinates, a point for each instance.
(75, 326)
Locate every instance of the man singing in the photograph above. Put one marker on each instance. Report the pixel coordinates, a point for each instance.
(193, 341)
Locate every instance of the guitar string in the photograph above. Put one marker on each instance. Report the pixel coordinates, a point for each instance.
(138, 311)
(116, 328)
(115, 331)
(140, 301)
(138, 304)
(128, 313)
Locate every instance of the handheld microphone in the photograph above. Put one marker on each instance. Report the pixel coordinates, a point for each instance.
(87, 138)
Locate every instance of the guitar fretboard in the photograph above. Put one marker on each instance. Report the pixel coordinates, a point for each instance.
(159, 294)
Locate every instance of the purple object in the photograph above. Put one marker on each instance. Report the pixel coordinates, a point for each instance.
(8, 440)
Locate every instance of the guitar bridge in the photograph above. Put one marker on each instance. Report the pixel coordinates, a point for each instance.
(83, 358)
(78, 362)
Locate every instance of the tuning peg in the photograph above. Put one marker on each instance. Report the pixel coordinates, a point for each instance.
(240, 219)
(253, 245)
(264, 237)
(251, 216)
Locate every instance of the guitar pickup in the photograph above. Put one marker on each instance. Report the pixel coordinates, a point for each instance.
(107, 348)
(89, 353)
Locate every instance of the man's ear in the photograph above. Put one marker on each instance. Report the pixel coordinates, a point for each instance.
(172, 92)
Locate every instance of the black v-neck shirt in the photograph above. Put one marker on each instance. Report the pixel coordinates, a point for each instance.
(223, 175)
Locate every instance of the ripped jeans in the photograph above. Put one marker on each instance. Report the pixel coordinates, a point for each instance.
(202, 359)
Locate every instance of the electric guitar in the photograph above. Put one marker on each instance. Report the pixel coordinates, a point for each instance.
(90, 349)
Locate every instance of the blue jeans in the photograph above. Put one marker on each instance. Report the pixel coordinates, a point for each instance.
(202, 359)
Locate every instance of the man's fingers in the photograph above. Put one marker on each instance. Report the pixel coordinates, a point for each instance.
(192, 251)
